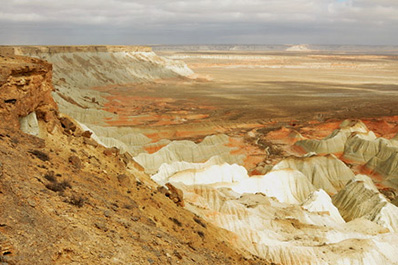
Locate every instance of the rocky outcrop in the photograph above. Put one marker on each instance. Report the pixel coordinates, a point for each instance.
(25, 88)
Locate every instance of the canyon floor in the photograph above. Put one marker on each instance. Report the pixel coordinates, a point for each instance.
(235, 92)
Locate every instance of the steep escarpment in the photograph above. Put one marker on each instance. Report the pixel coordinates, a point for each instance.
(76, 69)
(65, 199)
(83, 75)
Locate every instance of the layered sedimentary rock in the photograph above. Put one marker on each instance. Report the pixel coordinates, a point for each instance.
(64, 201)
(361, 199)
(311, 233)
(212, 171)
(25, 93)
(334, 143)
(324, 172)
(78, 68)
(360, 146)
(361, 149)
(215, 145)
(287, 215)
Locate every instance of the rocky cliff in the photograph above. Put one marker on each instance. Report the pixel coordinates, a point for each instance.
(26, 87)
(64, 199)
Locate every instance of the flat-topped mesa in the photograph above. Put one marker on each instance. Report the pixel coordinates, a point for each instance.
(36, 50)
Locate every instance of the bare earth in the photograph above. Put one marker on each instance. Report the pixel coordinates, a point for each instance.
(246, 87)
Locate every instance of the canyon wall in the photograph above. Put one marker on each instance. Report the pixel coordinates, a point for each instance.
(78, 68)
(79, 73)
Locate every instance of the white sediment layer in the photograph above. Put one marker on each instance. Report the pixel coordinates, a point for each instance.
(324, 172)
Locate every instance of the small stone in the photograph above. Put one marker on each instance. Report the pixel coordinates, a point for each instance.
(163, 190)
(177, 254)
(75, 161)
(127, 158)
(107, 213)
(101, 226)
(90, 141)
(176, 195)
(87, 134)
(112, 151)
(68, 125)
(124, 180)
(32, 203)
(40, 155)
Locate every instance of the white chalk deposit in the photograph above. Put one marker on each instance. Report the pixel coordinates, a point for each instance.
(287, 215)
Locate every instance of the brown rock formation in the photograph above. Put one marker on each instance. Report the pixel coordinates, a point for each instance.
(25, 87)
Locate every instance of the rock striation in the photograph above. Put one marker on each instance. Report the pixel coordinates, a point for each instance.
(287, 215)
(324, 172)
(334, 143)
(361, 199)
(79, 68)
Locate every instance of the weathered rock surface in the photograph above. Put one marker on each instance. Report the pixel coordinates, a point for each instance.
(65, 202)
(25, 88)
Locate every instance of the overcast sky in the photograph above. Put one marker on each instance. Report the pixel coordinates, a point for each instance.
(199, 22)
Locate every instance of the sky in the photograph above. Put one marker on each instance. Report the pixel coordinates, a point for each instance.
(129, 22)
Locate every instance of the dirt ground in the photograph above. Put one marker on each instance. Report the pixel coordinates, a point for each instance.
(250, 87)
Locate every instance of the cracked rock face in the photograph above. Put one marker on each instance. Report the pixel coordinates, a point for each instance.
(25, 87)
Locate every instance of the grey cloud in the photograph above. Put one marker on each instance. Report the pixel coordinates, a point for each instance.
(188, 21)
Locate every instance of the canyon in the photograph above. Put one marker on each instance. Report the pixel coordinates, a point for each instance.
(197, 156)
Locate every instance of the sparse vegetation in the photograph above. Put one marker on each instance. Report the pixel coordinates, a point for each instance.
(76, 201)
(50, 176)
(201, 234)
(176, 221)
(40, 155)
(198, 221)
(59, 186)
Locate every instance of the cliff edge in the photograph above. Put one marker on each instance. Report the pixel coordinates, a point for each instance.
(64, 199)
